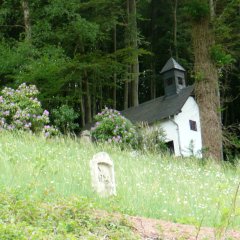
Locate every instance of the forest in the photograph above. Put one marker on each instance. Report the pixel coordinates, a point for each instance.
(88, 54)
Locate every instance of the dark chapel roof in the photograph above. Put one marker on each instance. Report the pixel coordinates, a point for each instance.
(158, 108)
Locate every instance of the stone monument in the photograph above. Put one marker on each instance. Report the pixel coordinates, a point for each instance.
(102, 173)
(86, 136)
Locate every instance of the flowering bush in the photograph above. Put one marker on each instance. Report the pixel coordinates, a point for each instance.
(112, 127)
(21, 110)
(49, 131)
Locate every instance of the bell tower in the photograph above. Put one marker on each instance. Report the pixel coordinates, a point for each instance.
(173, 76)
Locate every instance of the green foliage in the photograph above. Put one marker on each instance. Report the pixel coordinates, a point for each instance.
(152, 138)
(72, 47)
(197, 9)
(73, 218)
(63, 25)
(220, 57)
(64, 118)
(11, 232)
(227, 215)
(69, 44)
(198, 76)
(48, 71)
(13, 59)
(112, 127)
(231, 143)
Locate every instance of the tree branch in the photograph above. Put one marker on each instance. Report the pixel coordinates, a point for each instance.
(16, 25)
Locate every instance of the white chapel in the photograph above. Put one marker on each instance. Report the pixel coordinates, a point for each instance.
(177, 112)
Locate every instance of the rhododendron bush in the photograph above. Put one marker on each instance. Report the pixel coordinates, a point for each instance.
(112, 127)
(21, 110)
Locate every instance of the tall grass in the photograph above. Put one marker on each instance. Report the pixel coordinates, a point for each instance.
(150, 185)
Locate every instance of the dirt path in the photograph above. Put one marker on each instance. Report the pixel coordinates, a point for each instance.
(152, 229)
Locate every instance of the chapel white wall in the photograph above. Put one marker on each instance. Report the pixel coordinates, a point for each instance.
(190, 111)
(177, 129)
(171, 131)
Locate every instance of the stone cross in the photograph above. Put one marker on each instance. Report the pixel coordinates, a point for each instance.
(102, 173)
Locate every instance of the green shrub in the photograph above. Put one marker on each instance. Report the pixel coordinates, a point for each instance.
(220, 56)
(11, 232)
(151, 138)
(112, 127)
(64, 118)
(25, 218)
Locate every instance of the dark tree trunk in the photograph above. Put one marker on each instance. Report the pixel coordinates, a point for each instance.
(127, 42)
(94, 107)
(115, 75)
(154, 16)
(101, 97)
(126, 94)
(88, 106)
(82, 109)
(134, 45)
(153, 82)
(175, 6)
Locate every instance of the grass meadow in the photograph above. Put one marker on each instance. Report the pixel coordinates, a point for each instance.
(149, 185)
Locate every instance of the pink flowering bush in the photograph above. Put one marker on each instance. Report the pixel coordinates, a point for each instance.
(21, 110)
(49, 131)
(112, 127)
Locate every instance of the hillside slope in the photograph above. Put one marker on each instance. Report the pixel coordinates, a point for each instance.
(150, 185)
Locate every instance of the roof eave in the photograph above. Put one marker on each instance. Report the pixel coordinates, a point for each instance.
(164, 71)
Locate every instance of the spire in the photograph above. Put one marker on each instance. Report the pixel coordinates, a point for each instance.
(172, 64)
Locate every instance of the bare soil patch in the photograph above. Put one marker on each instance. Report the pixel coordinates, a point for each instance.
(152, 229)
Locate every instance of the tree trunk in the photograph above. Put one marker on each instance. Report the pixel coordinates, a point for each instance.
(82, 109)
(127, 42)
(134, 45)
(88, 107)
(27, 24)
(212, 9)
(175, 28)
(153, 82)
(94, 106)
(207, 90)
(101, 97)
(154, 16)
(115, 75)
(135, 82)
(126, 94)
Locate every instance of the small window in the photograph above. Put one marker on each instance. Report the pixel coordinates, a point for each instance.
(180, 81)
(193, 125)
(169, 81)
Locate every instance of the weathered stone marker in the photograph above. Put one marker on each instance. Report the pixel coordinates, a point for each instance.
(102, 173)
(86, 136)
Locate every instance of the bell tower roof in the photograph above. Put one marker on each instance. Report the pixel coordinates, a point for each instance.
(173, 77)
(172, 64)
